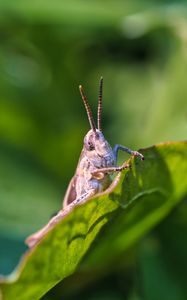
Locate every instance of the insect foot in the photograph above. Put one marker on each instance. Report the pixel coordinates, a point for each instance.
(136, 153)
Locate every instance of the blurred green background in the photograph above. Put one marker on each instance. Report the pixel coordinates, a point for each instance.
(46, 50)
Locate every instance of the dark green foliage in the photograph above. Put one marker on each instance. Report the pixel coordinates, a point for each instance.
(46, 50)
(114, 222)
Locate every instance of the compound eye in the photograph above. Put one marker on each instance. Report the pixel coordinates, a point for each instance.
(89, 142)
(90, 146)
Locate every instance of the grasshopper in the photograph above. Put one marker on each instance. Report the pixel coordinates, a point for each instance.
(98, 161)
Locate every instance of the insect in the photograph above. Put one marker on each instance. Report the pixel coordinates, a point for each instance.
(96, 164)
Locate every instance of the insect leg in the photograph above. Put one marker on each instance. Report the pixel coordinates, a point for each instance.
(131, 152)
(110, 169)
(33, 239)
(83, 197)
(36, 237)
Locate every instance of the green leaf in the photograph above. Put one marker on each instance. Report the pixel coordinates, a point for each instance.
(115, 221)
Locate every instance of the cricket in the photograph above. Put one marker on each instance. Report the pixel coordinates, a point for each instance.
(98, 161)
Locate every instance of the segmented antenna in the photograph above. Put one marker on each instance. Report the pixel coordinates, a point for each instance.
(99, 110)
(88, 110)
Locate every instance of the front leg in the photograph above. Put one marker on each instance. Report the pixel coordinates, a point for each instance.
(131, 152)
(99, 173)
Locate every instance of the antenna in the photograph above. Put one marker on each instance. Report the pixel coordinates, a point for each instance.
(99, 110)
(88, 110)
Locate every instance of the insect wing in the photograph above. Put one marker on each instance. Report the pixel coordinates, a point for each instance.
(70, 194)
